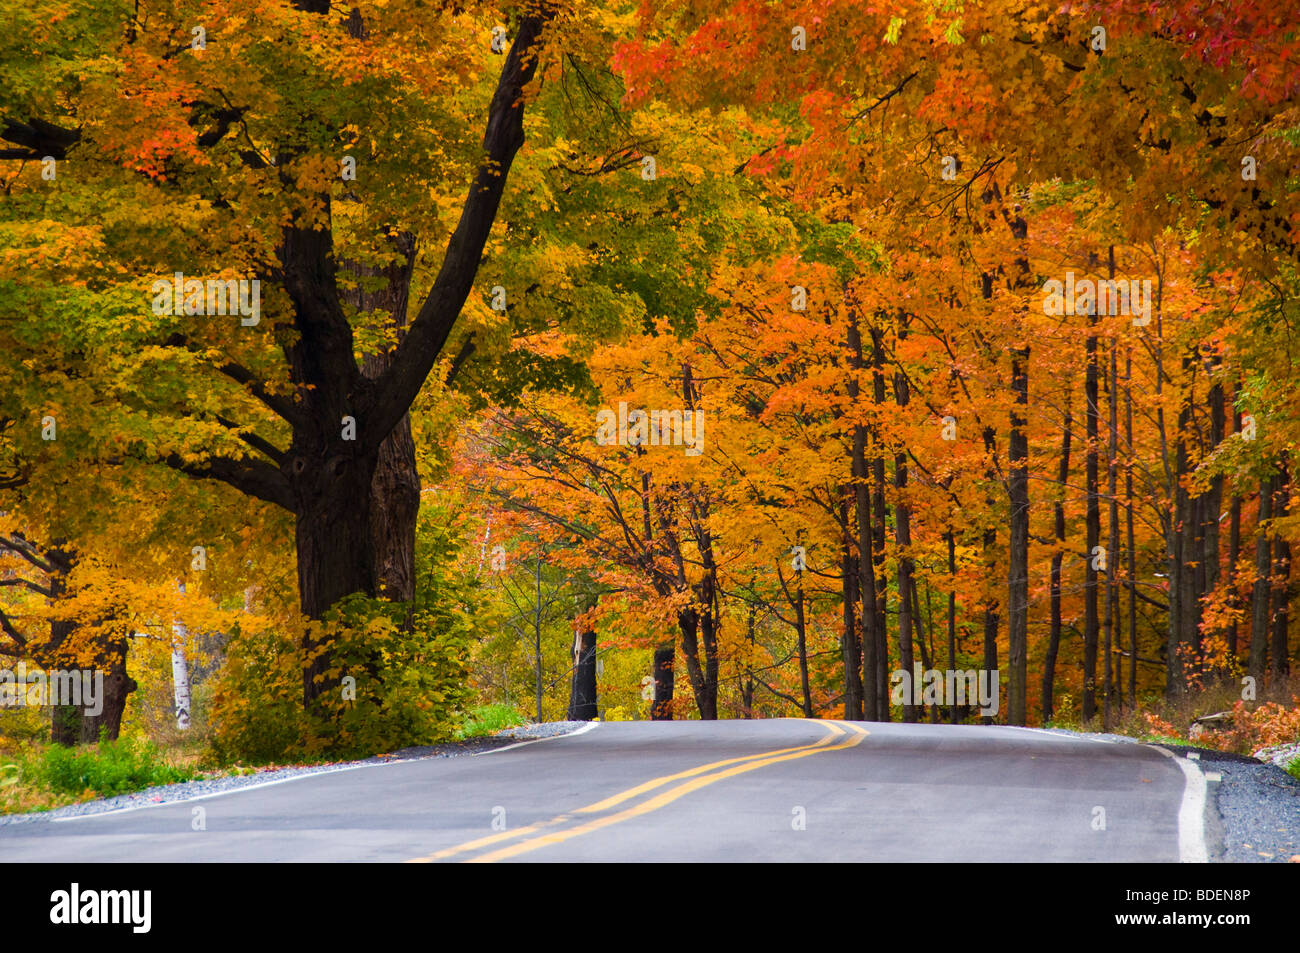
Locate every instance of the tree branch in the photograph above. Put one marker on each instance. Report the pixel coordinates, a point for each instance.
(253, 477)
(424, 341)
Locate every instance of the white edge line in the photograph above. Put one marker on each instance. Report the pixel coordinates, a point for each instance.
(1191, 813)
(532, 741)
(1073, 735)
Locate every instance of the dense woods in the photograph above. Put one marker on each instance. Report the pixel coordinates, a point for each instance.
(377, 361)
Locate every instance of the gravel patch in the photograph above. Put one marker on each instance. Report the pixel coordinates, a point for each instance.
(1253, 815)
(1259, 805)
(189, 790)
(546, 729)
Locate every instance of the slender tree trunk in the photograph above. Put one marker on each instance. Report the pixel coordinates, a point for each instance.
(903, 538)
(1234, 545)
(800, 627)
(1058, 516)
(747, 690)
(1093, 522)
(866, 550)
(1213, 502)
(1281, 577)
(990, 563)
(878, 531)
(1128, 516)
(952, 613)
(1018, 544)
(1259, 604)
(852, 648)
(537, 632)
(1186, 574)
(1113, 636)
(180, 672)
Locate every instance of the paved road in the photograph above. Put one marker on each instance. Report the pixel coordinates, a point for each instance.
(779, 790)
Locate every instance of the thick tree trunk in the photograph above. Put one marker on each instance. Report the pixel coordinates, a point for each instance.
(705, 690)
(335, 546)
(107, 724)
(582, 692)
(65, 720)
(395, 487)
(662, 709)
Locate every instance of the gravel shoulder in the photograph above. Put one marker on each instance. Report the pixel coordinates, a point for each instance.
(189, 790)
(1253, 815)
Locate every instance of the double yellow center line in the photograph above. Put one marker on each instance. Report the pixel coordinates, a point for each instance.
(839, 735)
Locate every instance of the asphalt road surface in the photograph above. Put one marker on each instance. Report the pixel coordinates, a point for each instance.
(771, 790)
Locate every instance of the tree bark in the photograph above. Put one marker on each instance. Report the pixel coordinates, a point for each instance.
(1018, 544)
(662, 709)
(1054, 627)
(1259, 603)
(1093, 522)
(852, 648)
(903, 539)
(880, 585)
(1281, 665)
(582, 692)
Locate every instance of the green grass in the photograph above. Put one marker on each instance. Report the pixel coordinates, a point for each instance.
(1293, 768)
(111, 767)
(488, 720)
(41, 777)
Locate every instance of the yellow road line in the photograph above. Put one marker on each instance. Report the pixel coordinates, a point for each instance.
(659, 800)
(833, 731)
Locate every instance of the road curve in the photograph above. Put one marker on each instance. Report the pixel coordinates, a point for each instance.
(770, 790)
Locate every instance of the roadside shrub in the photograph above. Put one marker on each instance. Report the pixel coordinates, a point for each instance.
(389, 686)
(1269, 724)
